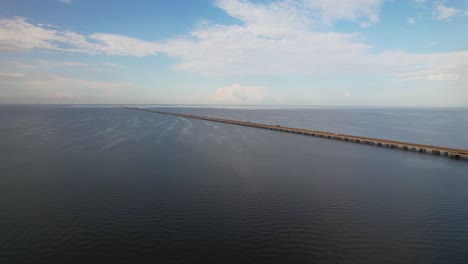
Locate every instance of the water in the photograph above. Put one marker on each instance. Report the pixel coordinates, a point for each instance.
(440, 127)
(92, 184)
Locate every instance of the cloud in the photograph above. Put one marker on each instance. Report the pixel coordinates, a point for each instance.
(411, 20)
(42, 64)
(65, 1)
(44, 87)
(51, 81)
(53, 88)
(440, 10)
(18, 34)
(113, 65)
(263, 47)
(246, 50)
(122, 45)
(334, 10)
(237, 50)
(432, 67)
(61, 97)
(282, 16)
(274, 38)
(58, 81)
(269, 19)
(365, 24)
(238, 94)
(72, 64)
(46, 63)
(443, 12)
(10, 76)
(454, 73)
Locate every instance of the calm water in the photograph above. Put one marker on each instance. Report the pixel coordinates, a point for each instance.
(91, 184)
(446, 127)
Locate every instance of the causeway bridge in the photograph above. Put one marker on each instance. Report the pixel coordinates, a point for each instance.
(452, 153)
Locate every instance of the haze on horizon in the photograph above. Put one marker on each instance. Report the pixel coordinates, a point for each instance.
(274, 52)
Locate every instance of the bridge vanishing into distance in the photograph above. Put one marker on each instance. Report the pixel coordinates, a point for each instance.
(434, 150)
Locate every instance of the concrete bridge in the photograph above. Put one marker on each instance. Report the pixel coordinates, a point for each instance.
(434, 150)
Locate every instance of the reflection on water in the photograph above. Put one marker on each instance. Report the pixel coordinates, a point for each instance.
(114, 185)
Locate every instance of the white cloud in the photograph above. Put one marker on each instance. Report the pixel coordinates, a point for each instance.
(58, 81)
(443, 12)
(52, 88)
(365, 24)
(454, 73)
(61, 96)
(238, 94)
(334, 10)
(122, 45)
(276, 38)
(411, 20)
(73, 64)
(42, 64)
(51, 81)
(272, 19)
(113, 65)
(261, 49)
(286, 15)
(46, 63)
(235, 50)
(18, 34)
(433, 67)
(9, 64)
(65, 1)
(46, 87)
(10, 75)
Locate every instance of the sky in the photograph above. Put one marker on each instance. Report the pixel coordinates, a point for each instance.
(235, 52)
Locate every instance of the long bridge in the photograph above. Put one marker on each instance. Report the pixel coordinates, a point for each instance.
(421, 148)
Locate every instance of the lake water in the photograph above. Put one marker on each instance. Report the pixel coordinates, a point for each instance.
(446, 127)
(103, 184)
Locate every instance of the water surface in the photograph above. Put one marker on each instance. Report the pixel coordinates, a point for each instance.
(89, 184)
(432, 126)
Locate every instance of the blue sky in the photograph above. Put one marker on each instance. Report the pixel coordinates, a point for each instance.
(283, 52)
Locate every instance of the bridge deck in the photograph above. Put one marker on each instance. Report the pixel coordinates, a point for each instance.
(435, 150)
